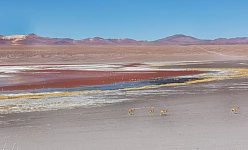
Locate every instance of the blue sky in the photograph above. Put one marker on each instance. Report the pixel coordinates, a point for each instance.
(137, 19)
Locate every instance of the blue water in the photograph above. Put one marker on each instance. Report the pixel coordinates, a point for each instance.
(103, 87)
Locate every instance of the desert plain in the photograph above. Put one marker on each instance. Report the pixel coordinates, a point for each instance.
(199, 102)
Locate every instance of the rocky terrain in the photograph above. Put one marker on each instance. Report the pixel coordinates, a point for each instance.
(178, 39)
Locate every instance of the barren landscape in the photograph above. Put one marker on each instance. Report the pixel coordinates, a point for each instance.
(198, 84)
(23, 54)
(123, 75)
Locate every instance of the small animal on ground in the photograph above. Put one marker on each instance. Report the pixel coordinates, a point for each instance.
(131, 111)
(235, 110)
(151, 111)
(163, 112)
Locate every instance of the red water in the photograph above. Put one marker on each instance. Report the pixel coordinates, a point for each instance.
(36, 79)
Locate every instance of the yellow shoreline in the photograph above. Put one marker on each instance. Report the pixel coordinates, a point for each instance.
(232, 73)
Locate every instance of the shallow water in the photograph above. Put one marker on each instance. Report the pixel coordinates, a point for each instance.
(104, 94)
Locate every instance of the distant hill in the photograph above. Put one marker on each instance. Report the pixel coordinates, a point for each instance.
(178, 39)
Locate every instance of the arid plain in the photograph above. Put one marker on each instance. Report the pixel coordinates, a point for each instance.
(18, 54)
(199, 104)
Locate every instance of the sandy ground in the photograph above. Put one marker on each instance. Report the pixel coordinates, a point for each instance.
(194, 121)
(200, 118)
(110, 54)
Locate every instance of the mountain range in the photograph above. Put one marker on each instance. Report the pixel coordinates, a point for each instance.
(178, 39)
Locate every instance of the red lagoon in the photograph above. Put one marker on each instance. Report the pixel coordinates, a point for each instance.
(51, 78)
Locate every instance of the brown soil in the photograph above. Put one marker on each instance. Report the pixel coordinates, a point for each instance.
(15, 55)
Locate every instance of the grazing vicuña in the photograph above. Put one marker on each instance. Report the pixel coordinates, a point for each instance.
(163, 112)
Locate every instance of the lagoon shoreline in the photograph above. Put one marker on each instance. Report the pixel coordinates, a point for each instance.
(199, 115)
(194, 121)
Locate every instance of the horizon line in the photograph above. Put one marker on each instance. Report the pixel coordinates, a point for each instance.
(125, 38)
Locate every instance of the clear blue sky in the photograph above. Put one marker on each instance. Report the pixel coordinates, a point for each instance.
(137, 19)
